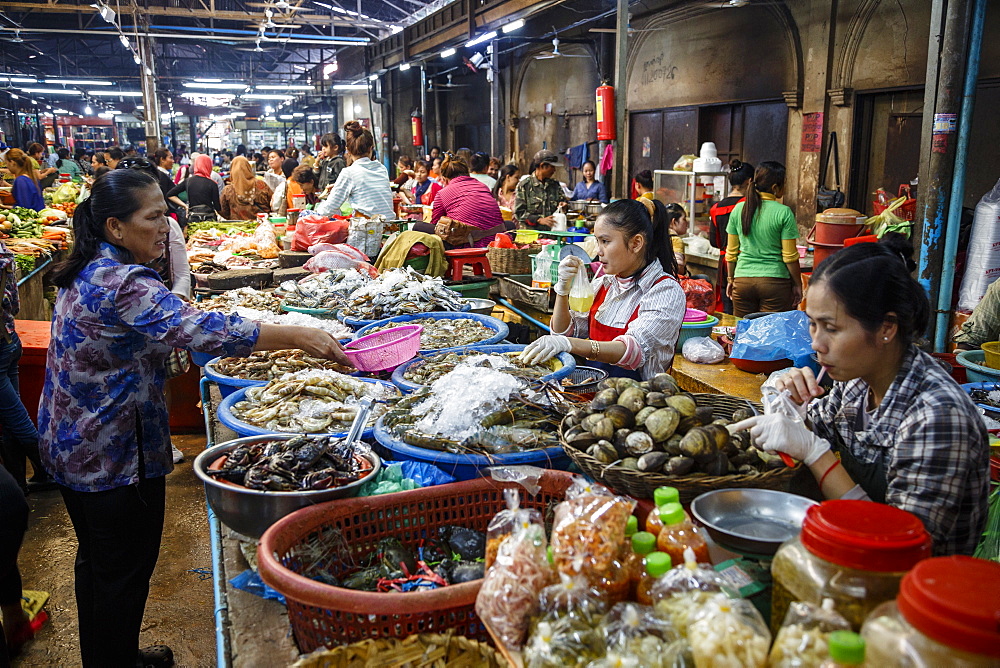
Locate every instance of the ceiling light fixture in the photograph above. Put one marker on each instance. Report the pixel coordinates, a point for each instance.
(404, 67)
(448, 53)
(51, 91)
(482, 38)
(373, 77)
(87, 110)
(116, 93)
(77, 82)
(208, 80)
(266, 96)
(350, 87)
(215, 86)
(513, 25)
(15, 79)
(283, 87)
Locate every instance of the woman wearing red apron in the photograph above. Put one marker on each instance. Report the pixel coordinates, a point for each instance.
(633, 324)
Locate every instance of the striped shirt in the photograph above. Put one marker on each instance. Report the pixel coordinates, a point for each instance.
(468, 201)
(650, 339)
(930, 440)
(365, 186)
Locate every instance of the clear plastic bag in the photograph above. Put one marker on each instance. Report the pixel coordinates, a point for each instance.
(503, 523)
(802, 641)
(680, 593)
(588, 532)
(728, 633)
(581, 293)
(636, 633)
(703, 350)
(568, 631)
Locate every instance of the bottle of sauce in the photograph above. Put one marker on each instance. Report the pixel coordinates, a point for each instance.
(643, 543)
(678, 533)
(657, 565)
(661, 497)
(847, 649)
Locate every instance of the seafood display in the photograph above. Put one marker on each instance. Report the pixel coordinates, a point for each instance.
(401, 292)
(230, 300)
(654, 427)
(444, 332)
(988, 395)
(310, 401)
(500, 417)
(302, 463)
(329, 289)
(272, 364)
(334, 328)
(433, 366)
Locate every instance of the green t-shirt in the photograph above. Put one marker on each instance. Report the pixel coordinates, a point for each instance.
(760, 252)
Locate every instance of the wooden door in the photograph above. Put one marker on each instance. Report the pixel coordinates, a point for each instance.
(765, 133)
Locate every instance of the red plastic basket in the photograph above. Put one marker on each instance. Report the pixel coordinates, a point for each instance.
(325, 616)
(386, 349)
(907, 210)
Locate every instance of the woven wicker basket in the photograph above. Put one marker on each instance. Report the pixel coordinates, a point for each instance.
(511, 260)
(640, 484)
(426, 650)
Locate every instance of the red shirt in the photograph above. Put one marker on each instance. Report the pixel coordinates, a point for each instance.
(468, 201)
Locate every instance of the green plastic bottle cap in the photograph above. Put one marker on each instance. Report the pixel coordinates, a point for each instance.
(548, 555)
(643, 542)
(847, 648)
(664, 495)
(658, 563)
(672, 513)
(632, 525)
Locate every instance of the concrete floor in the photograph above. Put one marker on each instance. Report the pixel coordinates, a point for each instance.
(179, 610)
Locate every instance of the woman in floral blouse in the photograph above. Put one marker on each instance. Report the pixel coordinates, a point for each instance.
(103, 419)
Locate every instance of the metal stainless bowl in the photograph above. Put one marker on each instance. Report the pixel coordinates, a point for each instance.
(751, 520)
(251, 512)
(578, 205)
(593, 208)
(481, 306)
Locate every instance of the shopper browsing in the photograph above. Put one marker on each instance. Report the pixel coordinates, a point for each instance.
(202, 194)
(539, 195)
(505, 191)
(26, 191)
(364, 185)
(247, 195)
(274, 176)
(102, 417)
(763, 261)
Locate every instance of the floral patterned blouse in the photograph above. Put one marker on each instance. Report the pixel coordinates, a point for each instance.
(103, 418)
(9, 300)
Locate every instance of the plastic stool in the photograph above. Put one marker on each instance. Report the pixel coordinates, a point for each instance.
(472, 257)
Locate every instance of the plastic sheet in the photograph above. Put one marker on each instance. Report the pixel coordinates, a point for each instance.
(773, 337)
(703, 350)
(250, 582)
(311, 230)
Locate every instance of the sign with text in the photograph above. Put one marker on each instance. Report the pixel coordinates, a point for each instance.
(812, 132)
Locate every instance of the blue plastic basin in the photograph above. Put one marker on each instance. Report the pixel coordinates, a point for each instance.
(568, 363)
(228, 384)
(976, 370)
(356, 324)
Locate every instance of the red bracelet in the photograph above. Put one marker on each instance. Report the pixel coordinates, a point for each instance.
(832, 466)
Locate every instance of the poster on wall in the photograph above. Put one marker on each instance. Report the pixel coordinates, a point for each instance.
(812, 132)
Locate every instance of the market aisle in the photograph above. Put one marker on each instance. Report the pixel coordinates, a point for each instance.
(179, 612)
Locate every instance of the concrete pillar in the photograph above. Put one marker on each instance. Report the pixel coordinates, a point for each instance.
(150, 101)
(619, 179)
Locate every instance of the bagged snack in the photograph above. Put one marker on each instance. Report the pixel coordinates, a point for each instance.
(588, 532)
(568, 631)
(508, 599)
(503, 523)
(728, 633)
(680, 593)
(803, 640)
(635, 633)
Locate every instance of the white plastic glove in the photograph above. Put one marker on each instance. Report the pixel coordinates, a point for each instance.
(568, 268)
(545, 348)
(778, 433)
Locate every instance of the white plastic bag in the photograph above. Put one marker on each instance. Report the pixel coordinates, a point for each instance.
(983, 263)
(703, 350)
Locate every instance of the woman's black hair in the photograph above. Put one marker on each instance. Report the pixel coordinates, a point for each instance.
(645, 179)
(111, 196)
(674, 212)
(479, 162)
(632, 218)
(507, 170)
(591, 163)
(100, 158)
(739, 172)
(288, 166)
(874, 283)
(63, 154)
(767, 176)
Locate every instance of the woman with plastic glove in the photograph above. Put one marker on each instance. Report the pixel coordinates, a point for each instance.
(638, 306)
(895, 428)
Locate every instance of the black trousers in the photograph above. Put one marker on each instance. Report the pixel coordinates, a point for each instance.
(118, 532)
(13, 524)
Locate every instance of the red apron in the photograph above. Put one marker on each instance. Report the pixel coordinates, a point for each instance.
(600, 332)
(720, 243)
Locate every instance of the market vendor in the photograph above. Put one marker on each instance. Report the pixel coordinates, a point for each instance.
(364, 184)
(538, 194)
(102, 418)
(632, 327)
(895, 428)
(983, 325)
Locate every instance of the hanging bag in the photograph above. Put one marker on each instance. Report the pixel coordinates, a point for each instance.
(826, 198)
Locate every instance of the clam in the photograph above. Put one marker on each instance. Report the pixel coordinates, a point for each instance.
(662, 423)
(741, 414)
(699, 444)
(678, 466)
(630, 463)
(603, 452)
(656, 399)
(653, 461)
(588, 423)
(662, 381)
(673, 445)
(633, 399)
(704, 413)
(603, 399)
(622, 416)
(640, 417)
(683, 403)
(638, 443)
(604, 428)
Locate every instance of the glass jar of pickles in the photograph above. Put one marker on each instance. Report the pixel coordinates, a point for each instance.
(947, 614)
(854, 552)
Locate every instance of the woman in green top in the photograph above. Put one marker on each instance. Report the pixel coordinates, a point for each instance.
(66, 166)
(761, 254)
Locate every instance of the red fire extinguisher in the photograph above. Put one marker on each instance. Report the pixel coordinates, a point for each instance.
(417, 128)
(606, 113)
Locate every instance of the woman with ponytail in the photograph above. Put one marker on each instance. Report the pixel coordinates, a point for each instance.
(763, 262)
(895, 428)
(102, 420)
(365, 183)
(632, 327)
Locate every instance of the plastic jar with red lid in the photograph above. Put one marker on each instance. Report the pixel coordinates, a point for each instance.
(854, 552)
(947, 614)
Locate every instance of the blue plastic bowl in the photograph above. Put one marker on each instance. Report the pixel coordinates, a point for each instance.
(326, 313)
(988, 385)
(201, 359)
(356, 324)
(976, 370)
(242, 428)
(690, 331)
(498, 326)
(568, 363)
(228, 384)
(467, 467)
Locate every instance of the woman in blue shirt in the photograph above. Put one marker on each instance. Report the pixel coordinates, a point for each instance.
(26, 191)
(589, 189)
(102, 419)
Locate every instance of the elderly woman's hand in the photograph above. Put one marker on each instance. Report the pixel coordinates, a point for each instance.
(319, 343)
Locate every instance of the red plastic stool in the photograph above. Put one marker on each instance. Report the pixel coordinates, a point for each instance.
(472, 257)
